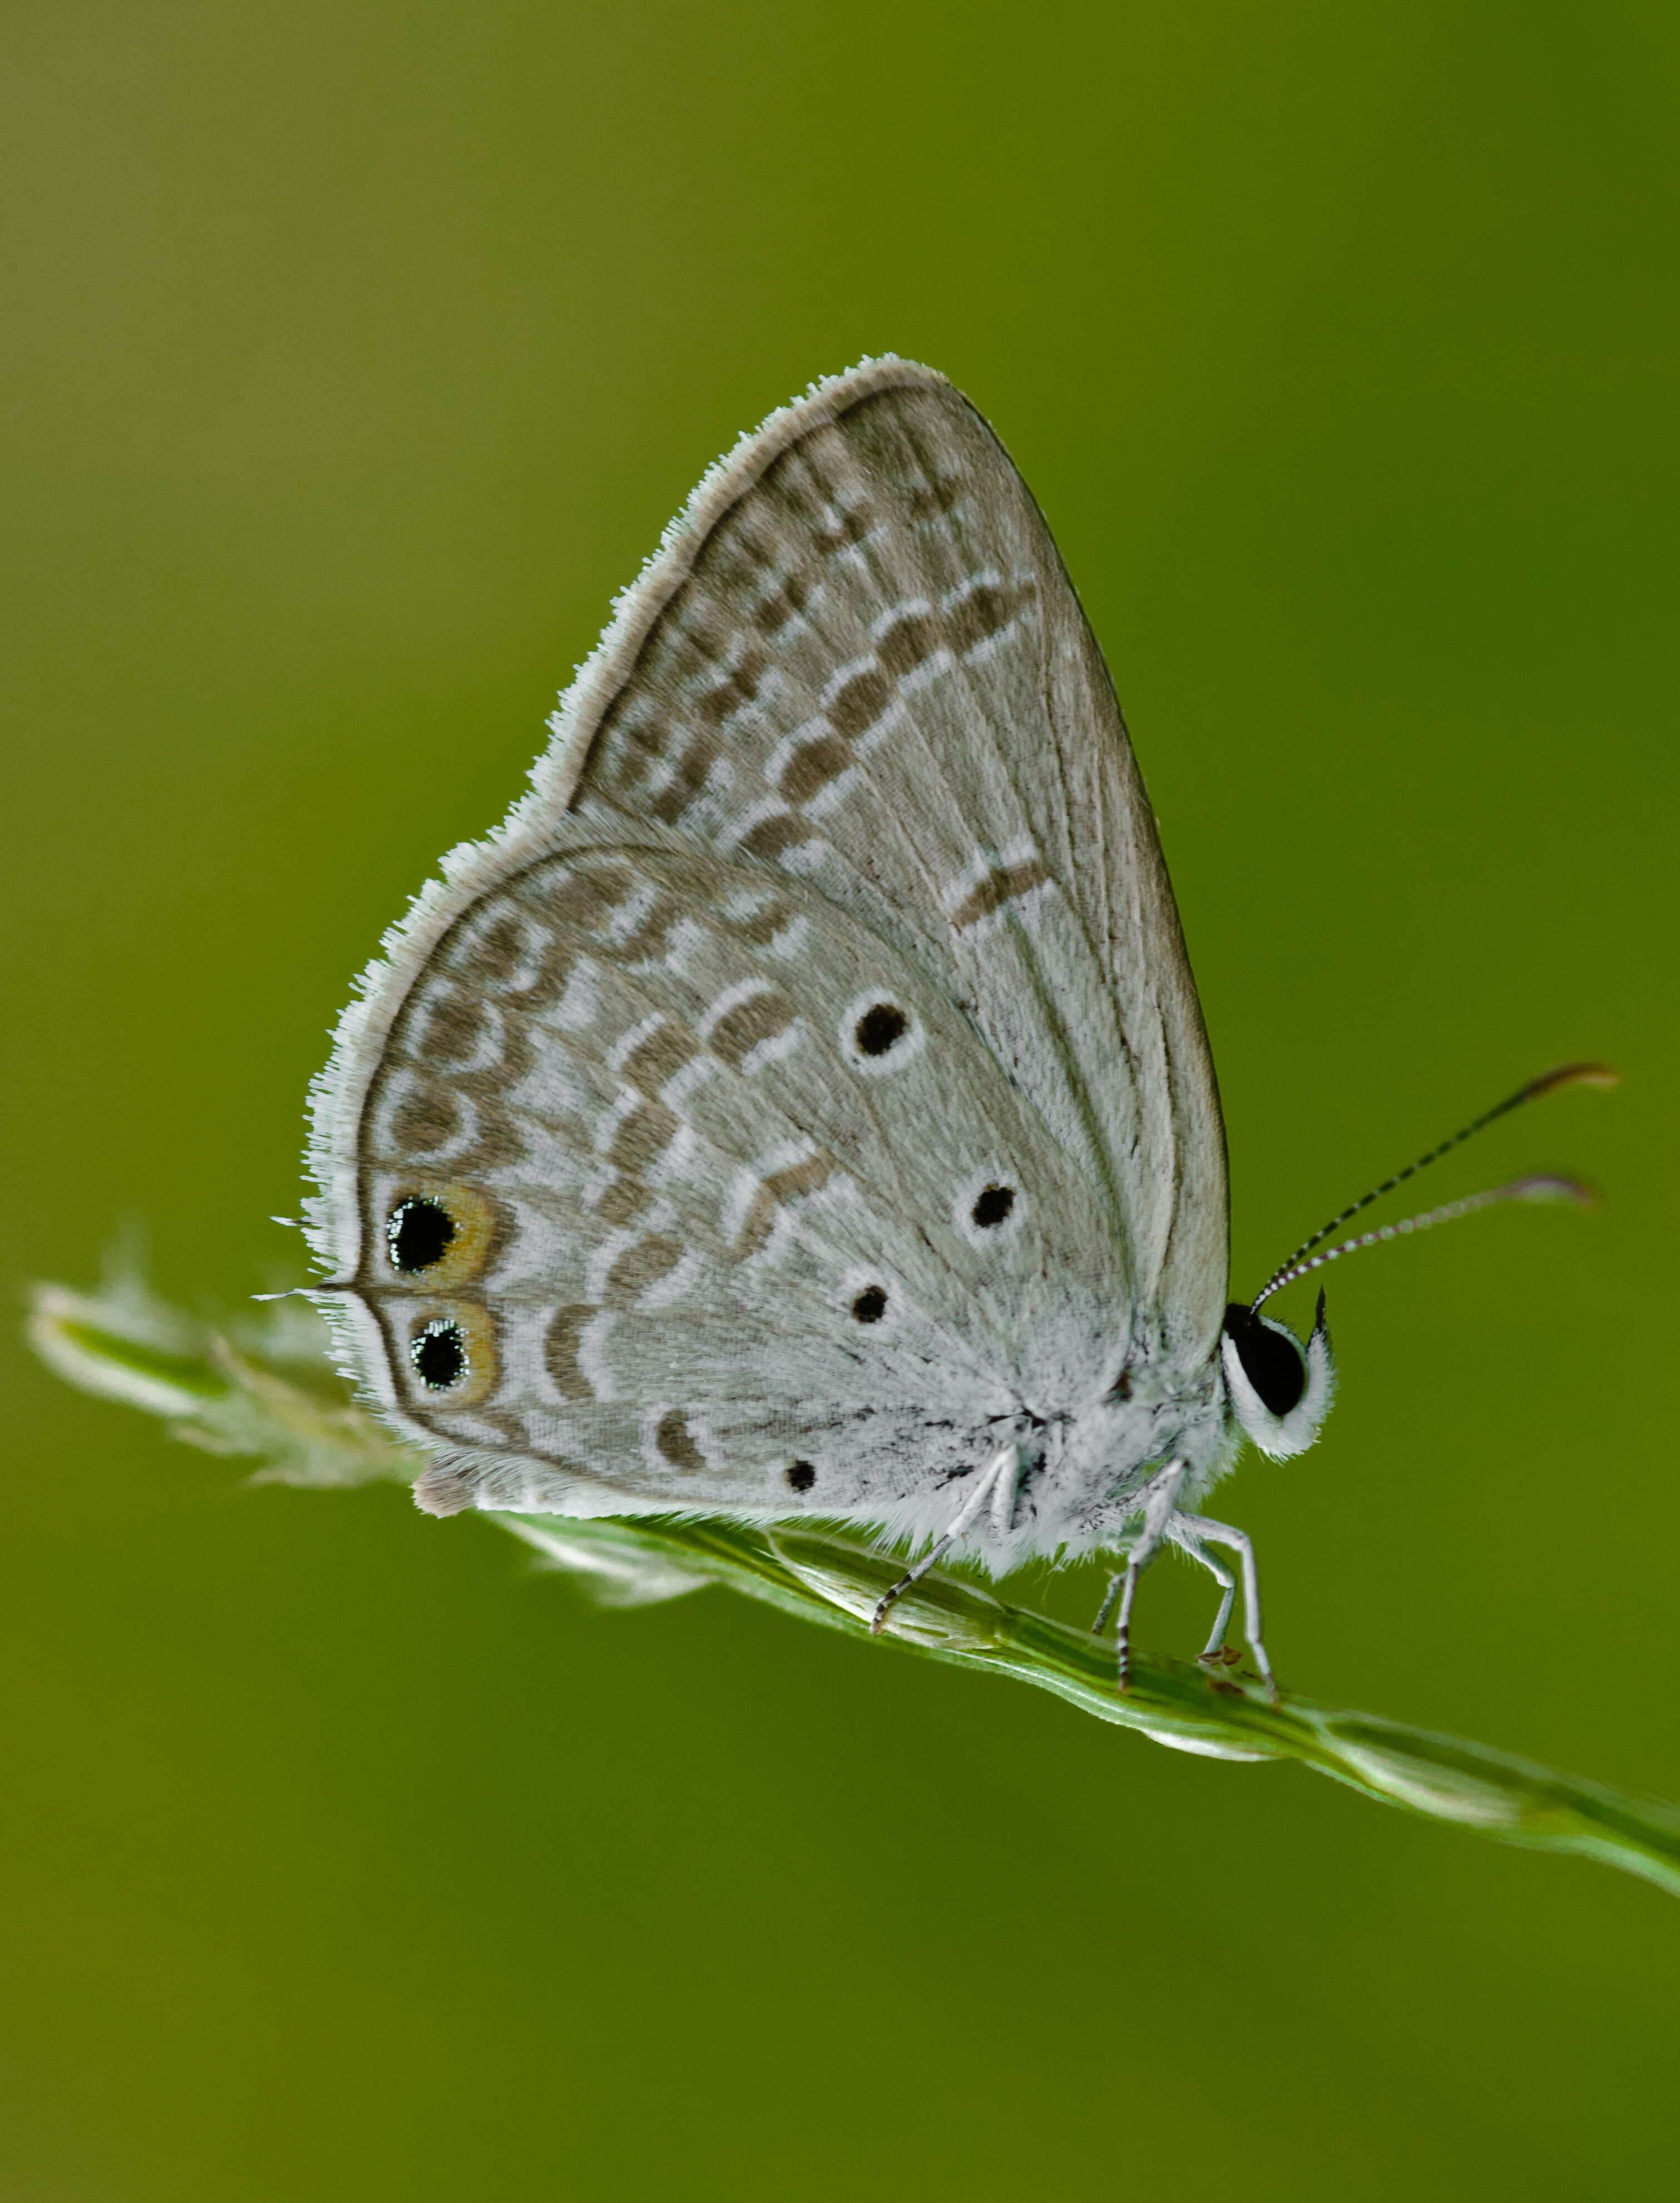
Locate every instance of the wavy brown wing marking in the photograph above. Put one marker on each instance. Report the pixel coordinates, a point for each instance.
(648, 1131)
(877, 679)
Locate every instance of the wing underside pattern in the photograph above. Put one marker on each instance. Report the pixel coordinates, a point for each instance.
(848, 754)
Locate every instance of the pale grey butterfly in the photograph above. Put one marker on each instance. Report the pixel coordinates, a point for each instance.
(801, 1105)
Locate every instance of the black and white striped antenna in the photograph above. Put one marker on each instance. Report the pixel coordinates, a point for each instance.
(1523, 1189)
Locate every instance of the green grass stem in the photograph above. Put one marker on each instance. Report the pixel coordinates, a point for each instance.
(264, 1389)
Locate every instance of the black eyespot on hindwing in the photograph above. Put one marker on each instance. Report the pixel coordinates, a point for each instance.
(993, 1207)
(870, 1304)
(801, 1476)
(418, 1232)
(438, 1353)
(1271, 1361)
(882, 1026)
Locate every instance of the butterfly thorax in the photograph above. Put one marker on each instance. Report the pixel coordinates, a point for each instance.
(1084, 1452)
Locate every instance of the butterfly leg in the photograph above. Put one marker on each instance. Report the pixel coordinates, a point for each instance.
(1155, 1504)
(1107, 1607)
(1184, 1539)
(1198, 1527)
(1005, 1467)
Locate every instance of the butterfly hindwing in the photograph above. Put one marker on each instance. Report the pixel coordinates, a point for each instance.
(674, 1177)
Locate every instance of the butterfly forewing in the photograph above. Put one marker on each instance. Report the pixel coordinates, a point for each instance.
(876, 675)
(810, 1078)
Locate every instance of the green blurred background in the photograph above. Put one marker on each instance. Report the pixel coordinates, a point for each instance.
(353, 355)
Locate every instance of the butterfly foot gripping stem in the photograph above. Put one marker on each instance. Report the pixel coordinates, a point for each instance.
(996, 1471)
(1154, 1503)
(1123, 1628)
(891, 1596)
(1194, 1532)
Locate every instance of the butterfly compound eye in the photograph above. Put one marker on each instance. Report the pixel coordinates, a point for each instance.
(1271, 1361)
(418, 1233)
(438, 1353)
(801, 1476)
(881, 1027)
(870, 1304)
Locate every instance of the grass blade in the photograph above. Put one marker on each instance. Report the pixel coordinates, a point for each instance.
(264, 1389)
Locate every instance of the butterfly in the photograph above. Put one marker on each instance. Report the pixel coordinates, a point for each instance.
(801, 1105)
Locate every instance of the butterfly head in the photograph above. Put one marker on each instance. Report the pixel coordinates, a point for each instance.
(1280, 1390)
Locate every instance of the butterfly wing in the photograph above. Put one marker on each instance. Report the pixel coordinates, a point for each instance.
(860, 659)
(856, 677)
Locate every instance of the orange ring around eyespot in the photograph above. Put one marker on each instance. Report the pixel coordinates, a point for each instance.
(477, 1226)
(478, 1344)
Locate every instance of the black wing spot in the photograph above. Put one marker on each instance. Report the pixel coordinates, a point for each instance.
(801, 1476)
(870, 1304)
(1272, 1361)
(438, 1353)
(993, 1207)
(882, 1026)
(418, 1232)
